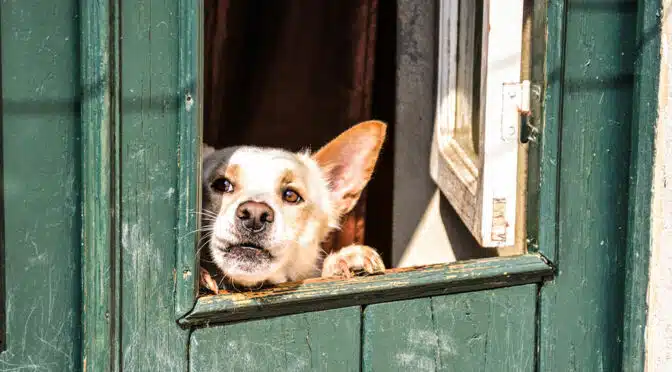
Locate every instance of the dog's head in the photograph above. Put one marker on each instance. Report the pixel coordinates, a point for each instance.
(269, 209)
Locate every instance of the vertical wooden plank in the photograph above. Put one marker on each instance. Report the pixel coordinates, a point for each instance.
(41, 174)
(317, 341)
(150, 337)
(474, 331)
(99, 305)
(540, 128)
(582, 308)
(553, 43)
(645, 115)
(189, 164)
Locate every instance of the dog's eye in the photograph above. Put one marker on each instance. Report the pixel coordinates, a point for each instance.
(222, 185)
(291, 196)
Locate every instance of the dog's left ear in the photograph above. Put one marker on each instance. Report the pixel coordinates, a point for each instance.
(206, 150)
(348, 162)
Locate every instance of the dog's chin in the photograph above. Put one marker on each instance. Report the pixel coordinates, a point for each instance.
(247, 264)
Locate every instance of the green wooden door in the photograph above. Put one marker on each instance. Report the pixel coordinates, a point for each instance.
(475, 331)
(100, 109)
(42, 186)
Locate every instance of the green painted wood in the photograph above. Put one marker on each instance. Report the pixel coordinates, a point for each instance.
(531, 125)
(149, 64)
(320, 294)
(647, 72)
(545, 62)
(41, 174)
(99, 274)
(582, 308)
(551, 124)
(489, 330)
(189, 165)
(318, 341)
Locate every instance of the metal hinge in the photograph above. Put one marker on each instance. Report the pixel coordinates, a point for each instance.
(515, 103)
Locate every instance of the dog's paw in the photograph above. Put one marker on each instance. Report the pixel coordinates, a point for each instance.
(206, 281)
(351, 260)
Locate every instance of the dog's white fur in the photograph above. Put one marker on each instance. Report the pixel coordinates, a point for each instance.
(293, 240)
(295, 248)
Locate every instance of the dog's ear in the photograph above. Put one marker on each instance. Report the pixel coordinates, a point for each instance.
(348, 162)
(206, 150)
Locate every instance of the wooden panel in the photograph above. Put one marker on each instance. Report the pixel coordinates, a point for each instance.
(479, 179)
(150, 100)
(582, 308)
(41, 174)
(100, 277)
(477, 331)
(189, 154)
(540, 129)
(318, 341)
(396, 284)
(647, 78)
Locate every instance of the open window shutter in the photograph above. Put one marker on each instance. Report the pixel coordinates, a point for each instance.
(479, 98)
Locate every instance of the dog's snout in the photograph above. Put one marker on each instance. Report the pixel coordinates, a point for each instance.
(254, 216)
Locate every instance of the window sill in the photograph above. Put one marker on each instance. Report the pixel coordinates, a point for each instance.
(395, 284)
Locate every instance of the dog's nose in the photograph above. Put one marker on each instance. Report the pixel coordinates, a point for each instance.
(254, 216)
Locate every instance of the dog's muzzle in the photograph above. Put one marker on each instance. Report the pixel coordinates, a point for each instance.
(254, 217)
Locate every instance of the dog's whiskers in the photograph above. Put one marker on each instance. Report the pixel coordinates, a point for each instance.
(202, 229)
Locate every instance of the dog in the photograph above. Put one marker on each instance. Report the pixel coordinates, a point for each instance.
(266, 211)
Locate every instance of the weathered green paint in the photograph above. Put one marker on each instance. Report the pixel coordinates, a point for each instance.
(546, 51)
(318, 341)
(582, 308)
(548, 148)
(645, 114)
(189, 169)
(395, 285)
(150, 92)
(99, 311)
(489, 330)
(41, 174)
(134, 175)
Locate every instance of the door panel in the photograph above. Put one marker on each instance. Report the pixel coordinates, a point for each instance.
(41, 180)
(150, 338)
(474, 331)
(318, 341)
(582, 308)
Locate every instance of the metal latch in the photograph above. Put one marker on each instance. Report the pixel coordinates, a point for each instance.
(515, 103)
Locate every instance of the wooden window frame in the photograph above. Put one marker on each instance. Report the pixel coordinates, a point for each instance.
(481, 85)
(104, 148)
(312, 294)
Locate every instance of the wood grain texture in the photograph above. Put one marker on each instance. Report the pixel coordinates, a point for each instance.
(478, 331)
(151, 100)
(189, 162)
(582, 308)
(100, 311)
(538, 136)
(320, 294)
(645, 115)
(549, 38)
(41, 174)
(317, 341)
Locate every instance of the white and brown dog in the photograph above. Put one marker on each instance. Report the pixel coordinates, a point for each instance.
(267, 211)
